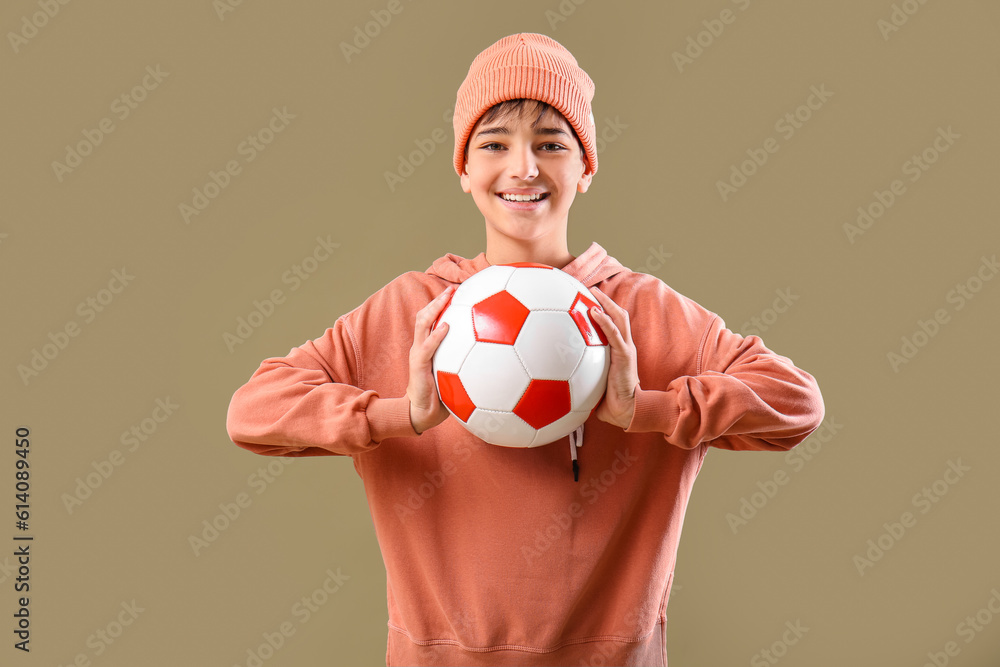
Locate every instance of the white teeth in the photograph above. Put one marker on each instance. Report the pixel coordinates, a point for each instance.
(521, 197)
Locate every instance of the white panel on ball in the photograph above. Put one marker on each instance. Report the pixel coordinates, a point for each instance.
(585, 387)
(453, 350)
(484, 284)
(501, 428)
(550, 345)
(535, 290)
(560, 428)
(493, 376)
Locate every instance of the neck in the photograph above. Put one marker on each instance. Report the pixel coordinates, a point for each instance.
(509, 251)
(557, 259)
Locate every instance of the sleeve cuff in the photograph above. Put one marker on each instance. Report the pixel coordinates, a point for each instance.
(654, 411)
(389, 418)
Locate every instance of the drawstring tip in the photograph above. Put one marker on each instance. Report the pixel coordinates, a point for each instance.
(575, 440)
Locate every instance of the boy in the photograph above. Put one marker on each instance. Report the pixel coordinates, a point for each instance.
(508, 560)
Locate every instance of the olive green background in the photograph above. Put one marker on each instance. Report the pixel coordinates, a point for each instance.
(669, 135)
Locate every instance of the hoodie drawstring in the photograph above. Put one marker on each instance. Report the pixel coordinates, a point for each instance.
(575, 440)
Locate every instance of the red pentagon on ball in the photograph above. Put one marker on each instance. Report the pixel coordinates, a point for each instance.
(454, 395)
(498, 319)
(544, 402)
(580, 312)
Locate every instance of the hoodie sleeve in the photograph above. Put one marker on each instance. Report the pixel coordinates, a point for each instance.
(743, 397)
(306, 404)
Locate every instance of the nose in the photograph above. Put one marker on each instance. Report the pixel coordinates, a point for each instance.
(523, 163)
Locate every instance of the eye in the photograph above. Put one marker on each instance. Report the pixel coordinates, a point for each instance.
(550, 147)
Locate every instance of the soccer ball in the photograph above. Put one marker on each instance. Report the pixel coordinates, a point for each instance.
(523, 364)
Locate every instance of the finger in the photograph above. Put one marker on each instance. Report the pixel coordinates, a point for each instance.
(609, 327)
(441, 302)
(429, 313)
(606, 302)
(626, 323)
(602, 299)
(428, 347)
(445, 293)
(618, 314)
(437, 335)
(438, 302)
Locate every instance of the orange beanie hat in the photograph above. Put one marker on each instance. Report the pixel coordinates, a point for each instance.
(531, 66)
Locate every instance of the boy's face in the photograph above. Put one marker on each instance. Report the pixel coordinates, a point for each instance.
(510, 156)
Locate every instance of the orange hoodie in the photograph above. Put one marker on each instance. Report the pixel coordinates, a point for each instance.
(494, 555)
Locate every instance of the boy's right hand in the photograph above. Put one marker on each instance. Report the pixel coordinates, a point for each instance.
(426, 409)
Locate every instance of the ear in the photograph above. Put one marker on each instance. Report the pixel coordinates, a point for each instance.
(584, 182)
(466, 181)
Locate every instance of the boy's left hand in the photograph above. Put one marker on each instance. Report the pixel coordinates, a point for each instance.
(623, 375)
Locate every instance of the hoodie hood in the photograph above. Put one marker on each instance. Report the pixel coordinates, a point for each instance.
(590, 268)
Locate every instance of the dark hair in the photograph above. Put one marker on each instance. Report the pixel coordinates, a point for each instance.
(503, 110)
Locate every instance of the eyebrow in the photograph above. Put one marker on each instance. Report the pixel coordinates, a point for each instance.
(501, 129)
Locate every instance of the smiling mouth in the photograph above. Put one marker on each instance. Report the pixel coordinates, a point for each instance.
(523, 198)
